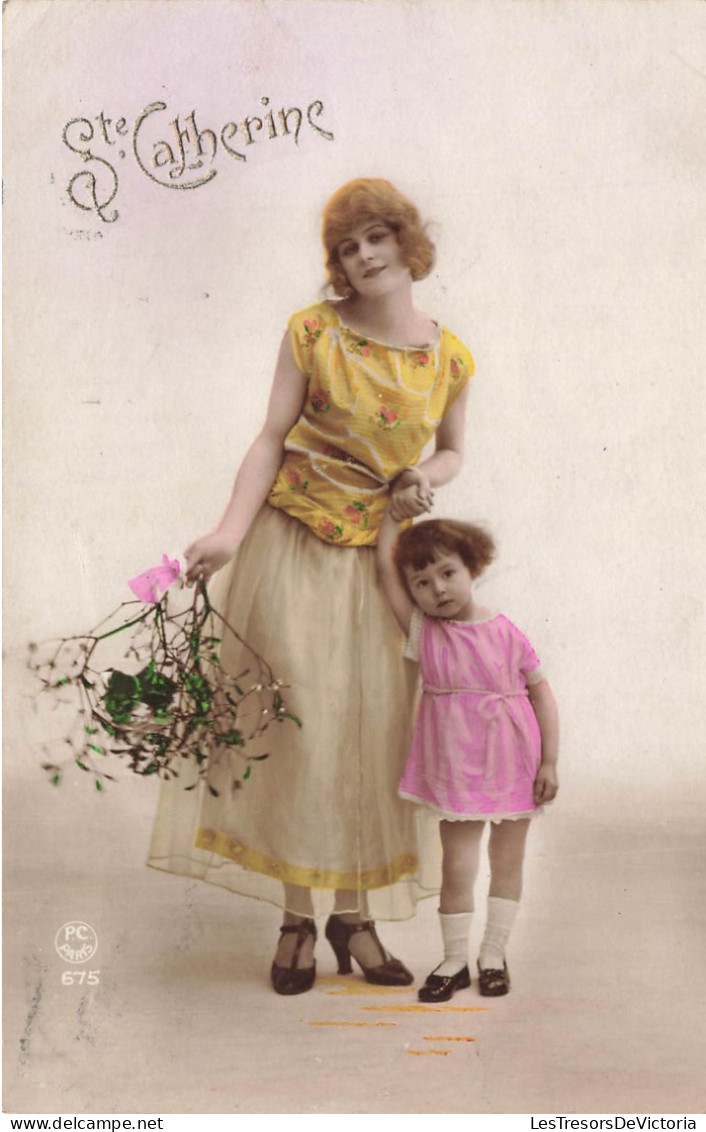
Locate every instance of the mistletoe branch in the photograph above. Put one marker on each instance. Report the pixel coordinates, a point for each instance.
(170, 700)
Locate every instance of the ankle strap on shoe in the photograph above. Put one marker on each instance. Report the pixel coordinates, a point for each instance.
(354, 925)
(305, 927)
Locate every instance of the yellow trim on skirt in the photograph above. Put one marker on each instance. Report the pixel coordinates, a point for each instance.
(224, 846)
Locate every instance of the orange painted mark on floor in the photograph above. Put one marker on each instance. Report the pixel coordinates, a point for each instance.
(431, 1038)
(428, 1052)
(429, 1009)
(357, 987)
(352, 1023)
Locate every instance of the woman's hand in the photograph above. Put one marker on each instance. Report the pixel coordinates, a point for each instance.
(546, 784)
(205, 556)
(411, 495)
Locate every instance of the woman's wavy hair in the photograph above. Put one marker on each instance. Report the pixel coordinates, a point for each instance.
(422, 543)
(371, 198)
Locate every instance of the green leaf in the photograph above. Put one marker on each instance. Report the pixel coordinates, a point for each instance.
(247, 774)
(155, 689)
(121, 697)
(232, 738)
(55, 779)
(99, 785)
(194, 682)
(91, 730)
(288, 715)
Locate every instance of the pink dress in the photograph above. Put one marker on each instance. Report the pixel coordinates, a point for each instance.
(476, 745)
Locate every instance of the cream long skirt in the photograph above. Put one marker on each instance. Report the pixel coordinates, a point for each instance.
(320, 820)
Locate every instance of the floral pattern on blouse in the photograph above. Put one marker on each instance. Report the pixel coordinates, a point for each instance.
(387, 418)
(330, 530)
(361, 347)
(295, 481)
(312, 330)
(320, 401)
(357, 513)
(370, 409)
(458, 368)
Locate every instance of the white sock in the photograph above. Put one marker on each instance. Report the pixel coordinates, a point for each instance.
(501, 917)
(455, 931)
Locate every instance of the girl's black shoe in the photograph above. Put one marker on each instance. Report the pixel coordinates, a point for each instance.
(389, 973)
(292, 979)
(440, 988)
(492, 981)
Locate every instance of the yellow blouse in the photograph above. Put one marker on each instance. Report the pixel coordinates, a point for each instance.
(370, 409)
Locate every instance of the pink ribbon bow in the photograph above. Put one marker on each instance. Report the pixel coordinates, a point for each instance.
(150, 586)
(491, 708)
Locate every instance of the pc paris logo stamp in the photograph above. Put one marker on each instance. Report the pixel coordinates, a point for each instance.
(76, 942)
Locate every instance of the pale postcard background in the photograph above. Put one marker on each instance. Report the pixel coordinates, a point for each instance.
(557, 148)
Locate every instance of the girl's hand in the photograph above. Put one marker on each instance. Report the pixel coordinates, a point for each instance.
(411, 495)
(546, 784)
(205, 556)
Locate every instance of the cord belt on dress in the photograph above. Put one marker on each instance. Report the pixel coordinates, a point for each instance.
(485, 692)
(489, 708)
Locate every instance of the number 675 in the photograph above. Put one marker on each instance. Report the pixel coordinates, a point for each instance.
(71, 978)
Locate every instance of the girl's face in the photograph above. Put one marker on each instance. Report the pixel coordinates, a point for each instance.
(443, 588)
(372, 259)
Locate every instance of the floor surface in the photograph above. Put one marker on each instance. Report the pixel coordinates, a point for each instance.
(606, 1013)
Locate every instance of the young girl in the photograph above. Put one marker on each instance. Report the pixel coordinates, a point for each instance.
(362, 384)
(484, 747)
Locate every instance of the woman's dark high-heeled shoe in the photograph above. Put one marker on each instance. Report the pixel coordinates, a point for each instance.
(292, 979)
(389, 973)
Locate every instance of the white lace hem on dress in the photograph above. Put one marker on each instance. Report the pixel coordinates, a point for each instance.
(445, 815)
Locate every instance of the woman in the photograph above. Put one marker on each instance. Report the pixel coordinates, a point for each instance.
(361, 385)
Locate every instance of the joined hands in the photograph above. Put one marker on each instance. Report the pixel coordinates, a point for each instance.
(411, 495)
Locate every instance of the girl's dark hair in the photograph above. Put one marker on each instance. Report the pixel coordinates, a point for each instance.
(424, 542)
(371, 198)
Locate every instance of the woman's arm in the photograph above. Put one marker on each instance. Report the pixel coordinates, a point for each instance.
(412, 493)
(542, 699)
(395, 592)
(447, 458)
(256, 473)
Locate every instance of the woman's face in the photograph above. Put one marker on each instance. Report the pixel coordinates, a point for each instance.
(372, 259)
